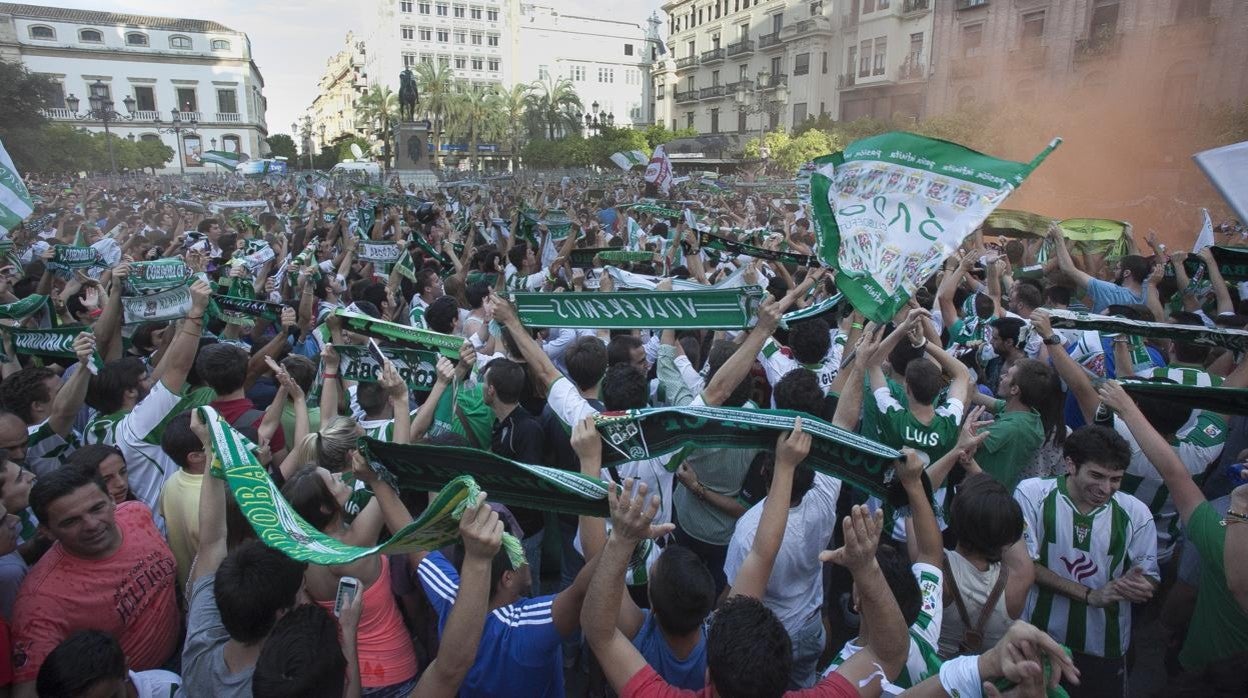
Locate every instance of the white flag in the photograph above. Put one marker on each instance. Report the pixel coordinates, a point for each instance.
(628, 159)
(15, 203)
(1225, 167)
(1205, 237)
(659, 171)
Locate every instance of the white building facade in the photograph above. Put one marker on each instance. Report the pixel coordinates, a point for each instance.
(345, 80)
(202, 69)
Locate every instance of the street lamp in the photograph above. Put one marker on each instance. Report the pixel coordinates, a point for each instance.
(306, 133)
(753, 99)
(101, 109)
(598, 120)
(180, 121)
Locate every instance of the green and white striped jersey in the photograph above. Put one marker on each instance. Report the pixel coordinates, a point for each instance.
(1187, 375)
(923, 660)
(1090, 549)
(1197, 444)
(777, 361)
(102, 429)
(380, 429)
(46, 450)
(416, 315)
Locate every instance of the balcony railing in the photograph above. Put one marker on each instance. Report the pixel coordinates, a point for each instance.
(776, 80)
(767, 41)
(1192, 32)
(1027, 57)
(969, 4)
(912, 70)
(58, 113)
(686, 62)
(660, 94)
(743, 47)
(146, 115)
(686, 96)
(844, 81)
(915, 6)
(1093, 48)
(229, 117)
(806, 27)
(713, 56)
(712, 92)
(190, 115)
(969, 67)
(746, 85)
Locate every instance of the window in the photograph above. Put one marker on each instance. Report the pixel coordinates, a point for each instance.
(689, 83)
(150, 137)
(425, 8)
(91, 36)
(777, 22)
(577, 73)
(426, 34)
(230, 144)
(444, 36)
(606, 75)
(825, 62)
(715, 78)
(187, 100)
(54, 96)
(475, 13)
(715, 40)
(972, 39)
(136, 39)
(801, 64)
(42, 33)
(1185, 10)
(443, 9)
(743, 31)
(492, 40)
(409, 60)
(882, 4)
(477, 63)
(144, 98)
(740, 122)
(693, 48)
(816, 8)
(864, 59)
(227, 102)
(460, 11)
(220, 45)
(1033, 28)
(1104, 20)
(426, 59)
(628, 49)
(461, 63)
(461, 37)
(868, 6)
(543, 72)
(799, 113)
(743, 71)
(688, 119)
(881, 55)
(476, 38)
(491, 15)
(407, 33)
(444, 61)
(405, 5)
(777, 65)
(714, 121)
(181, 43)
(493, 64)
(853, 59)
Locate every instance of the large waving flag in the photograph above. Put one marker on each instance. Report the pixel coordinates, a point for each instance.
(1225, 167)
(659, 171)
(1205, 237)
(15, 202)
(628, 159)
(230, 161)
(889, 210)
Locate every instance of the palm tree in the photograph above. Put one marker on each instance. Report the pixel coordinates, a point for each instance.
(379, 107)
(436, 82)
(555, 106)
(513, 105)
(476, 113)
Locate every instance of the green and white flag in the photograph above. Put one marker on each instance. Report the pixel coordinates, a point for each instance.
(229, 161)
(379, 251)
(628, 159)
(156, 276)
(889, 209)
(15, 201)
(21, 309)
(1098, 236)
(172, 304)
(417, 367)
(280, 528)
(406, 266)
(712, 309)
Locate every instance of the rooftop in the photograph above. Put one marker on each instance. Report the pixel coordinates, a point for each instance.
(93, 17)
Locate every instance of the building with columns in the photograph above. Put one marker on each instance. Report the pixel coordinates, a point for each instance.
(156, 65)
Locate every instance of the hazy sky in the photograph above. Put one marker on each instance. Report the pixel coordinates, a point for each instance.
(291, 41)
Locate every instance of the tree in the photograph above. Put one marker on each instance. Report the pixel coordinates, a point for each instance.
(152, 154)
(475, 114)
(555, 108)
(658, 134)
(23, 97)
(379, 107)
(437, 95)
(342, 145)
(614, 140)
(512, 107)
(282, 145)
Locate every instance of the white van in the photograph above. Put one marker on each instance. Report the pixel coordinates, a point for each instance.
(371, 169)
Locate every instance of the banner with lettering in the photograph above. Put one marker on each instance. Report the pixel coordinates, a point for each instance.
(157, 307)
(1232, 262)
(889, 209)
(156, 276)
(414, 337)
(1225, 338)
(68, 258)
(21, 309)
(712, 309)
(233, 306)
(378, 251)
(417, 367)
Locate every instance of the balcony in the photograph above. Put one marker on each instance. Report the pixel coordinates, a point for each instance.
(146, 115)
(713, 92)
(686, 62)
(811, 26)
(845, 81)
(1094, 48)
(911, 70)
(58, 113)
(190, 116)
(969, 4)
(1192, 32)
(690, 95)
(734, 87)
(1027, 57)
(769, 41)
(915, 8)
(964, 68)
(775, 81)
(742, 48)
(229, 117)
(715, 55)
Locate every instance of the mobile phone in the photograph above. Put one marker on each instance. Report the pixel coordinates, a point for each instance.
(375, 351)
(348, 587)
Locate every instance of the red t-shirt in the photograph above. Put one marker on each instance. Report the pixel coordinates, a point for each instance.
(232, 410)
(129, 594)
(647, 683)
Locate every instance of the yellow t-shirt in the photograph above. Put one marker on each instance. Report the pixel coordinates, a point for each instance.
(179, 506)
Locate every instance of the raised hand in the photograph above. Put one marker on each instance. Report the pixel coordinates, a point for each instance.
(586, 441)
(792, 447)
(632, 514)
(862, 537)
(481, 530)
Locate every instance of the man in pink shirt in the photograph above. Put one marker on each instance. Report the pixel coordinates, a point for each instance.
(109, 570)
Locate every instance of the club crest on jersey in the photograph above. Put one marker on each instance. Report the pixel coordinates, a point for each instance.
(1081, 567)
(1081, 533)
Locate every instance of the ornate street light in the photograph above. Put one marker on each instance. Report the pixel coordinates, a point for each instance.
(180, 121)
(100, 108)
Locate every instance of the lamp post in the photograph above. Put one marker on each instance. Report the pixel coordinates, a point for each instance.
(177, 124)
(598, 120)
(101, 109)
(754, 100)
(305, 134)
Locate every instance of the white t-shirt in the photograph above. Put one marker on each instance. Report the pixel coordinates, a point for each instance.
(156, 683)
(147, 463)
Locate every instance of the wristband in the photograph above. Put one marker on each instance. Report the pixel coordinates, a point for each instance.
(329, 375)
(960, 677)
(856, 326)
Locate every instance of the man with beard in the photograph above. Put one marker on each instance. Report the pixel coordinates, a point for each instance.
(1128, 288)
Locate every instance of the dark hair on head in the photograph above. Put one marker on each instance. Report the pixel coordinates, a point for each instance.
(1187, 352)
(624, 387)
(721, 351)
(810, 340)
(895, 564)
(368, 309)
(693, 350)
(517, 254)
(1014, 252)
(310, 497)
(1135, 265)
(1009, 329)
(682, 590)
(206, 224)
(371, 397)
(476, 294)
(901, 355)
(59, 483)
(748, 652)
(799, 390)
(20, 391)
(105, 391)
(984, 306)
(223, 367)
(178, 441)
(253, 584)
(441, 315)
(985, 517)
(925, 381)
(302, 370)
(507, 378)
(586, 359)
(1058, 295)
(1166, 416)
(1028, 295)
(302, 657)
(620, 349)
(425, 278)
(1097, 444)
(142, 339)
(78, 663)
(90, 456)
(372, 293)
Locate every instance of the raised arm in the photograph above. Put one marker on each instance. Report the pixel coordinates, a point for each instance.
(424, 416)
(69, 398)
(1064, 261)
(211, 550)
(177, 361)
(108, 326)
(928, 543)
(1076, 379)
(1226, 306)
(737, 367)
(543, 368)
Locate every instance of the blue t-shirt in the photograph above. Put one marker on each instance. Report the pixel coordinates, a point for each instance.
(607, 218)
(1073, 413)
(1104, 294)
(521, 653)
(689, 673)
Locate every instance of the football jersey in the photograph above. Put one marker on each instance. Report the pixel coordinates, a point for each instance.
(1090, 549)
(46, 450)
(777, 361)
(1186, 375)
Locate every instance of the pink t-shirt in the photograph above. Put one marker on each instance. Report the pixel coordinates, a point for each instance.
(129, 594)
(386, 654)
(647, 683)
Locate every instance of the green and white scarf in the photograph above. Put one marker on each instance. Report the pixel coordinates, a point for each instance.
(24, 308)
(712, 309)
(1235, 340)
(156, 276)
(379, 251)
(1219, 400)
(157, 307)
(716, 242)
(233, 307)
(57, 343)
(445, 344)
(417, 367)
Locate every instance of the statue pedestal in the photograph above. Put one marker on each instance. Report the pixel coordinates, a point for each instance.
(411, 149)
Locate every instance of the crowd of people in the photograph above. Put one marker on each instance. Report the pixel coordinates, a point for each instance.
(1050, 513)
